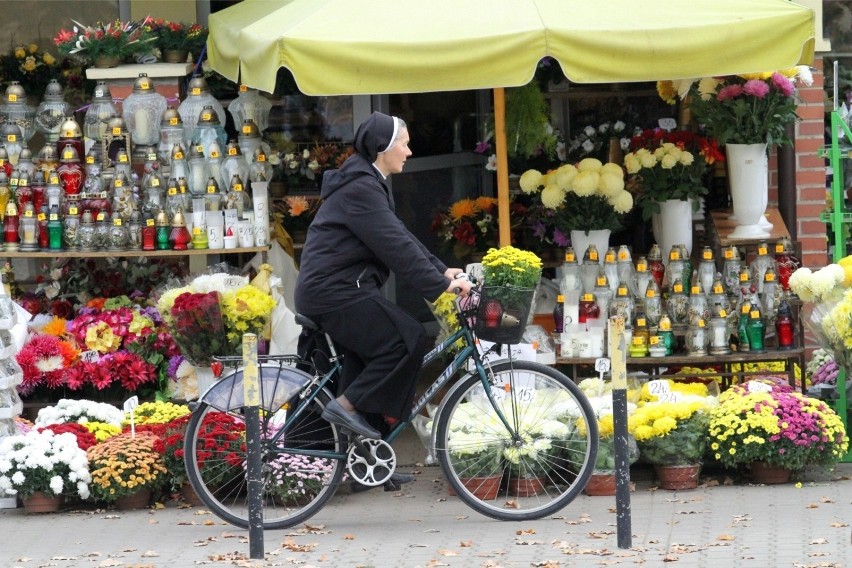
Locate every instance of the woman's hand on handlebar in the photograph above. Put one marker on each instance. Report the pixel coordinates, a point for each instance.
(461, 286)
(452, 272)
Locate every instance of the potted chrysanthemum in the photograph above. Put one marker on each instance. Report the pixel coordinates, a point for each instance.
(511, 276)
(586, 201)
(42, 467)
(766, 426)
(126, 468)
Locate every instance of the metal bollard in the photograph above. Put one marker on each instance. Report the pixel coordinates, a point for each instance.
(254, 467)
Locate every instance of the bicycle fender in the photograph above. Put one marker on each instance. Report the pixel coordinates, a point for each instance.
(277, 386)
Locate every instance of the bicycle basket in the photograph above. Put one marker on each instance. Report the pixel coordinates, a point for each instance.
(502, 313)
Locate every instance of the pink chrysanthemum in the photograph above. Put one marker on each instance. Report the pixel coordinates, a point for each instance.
(729, 92)
(783, 85)
(756, 88)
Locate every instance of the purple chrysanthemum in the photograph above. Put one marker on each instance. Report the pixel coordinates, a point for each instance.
(756, 88)
(783, 85)
(560, 239)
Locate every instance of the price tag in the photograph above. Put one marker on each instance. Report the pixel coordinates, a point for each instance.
(674, 255)
(678, 287)
(91, 356)
(117, 221)
(667, 123)
(149, 222)
(261, 157)
(122, 158)
(155, 182)
(172, 191)
(119, 183)
(729, 254)
(746, 308)
(174, 121)
(701, 323)
(178, 156)
(593, 255)
(101, 216)
(28, 213)
(588, 298)
(11, 137)
(246, 129)
(243, 89)
(144, 85)
(68, 154)
(103, 195)
(665, 324)
(116, 131)
(232, 151)
(13, 181)
(211, 189)
(654, 340)
(199, 148)
(641, 267)
(90, 160)
(183, 189)
(623, 255)
(640, 322)
(707, 255)
(754, 314)
(206, 116)
(238, 187)
(197, 230)
(761, 249)
(757, 386)
(602, 365)
(214, 154)
(234, 281)
(42, 217)
(673, 397)
(769, 276)
(13, 98)
(723, 313)
(601, 281)
(649, 293)
(152, 157)
(779, 247)
(54, 180)
(659, 387)
(569, 257)
(638, 340)
(72, 210)
(717, 289)
(696, 290)
(195, 91)
(53, 216)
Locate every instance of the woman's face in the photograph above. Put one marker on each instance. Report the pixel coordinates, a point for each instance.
(392, 161)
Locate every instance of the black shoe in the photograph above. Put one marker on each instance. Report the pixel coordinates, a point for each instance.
(356, 423)
(393, 484)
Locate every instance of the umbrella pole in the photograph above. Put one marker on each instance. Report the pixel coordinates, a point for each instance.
(503, 220)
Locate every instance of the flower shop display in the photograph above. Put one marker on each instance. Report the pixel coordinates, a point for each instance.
(746, 114)
(295, 214)
(467, 226)
(224, 438)
(301, 166)
(176, 40)
(595, 141)
(85, 438)
(43, 463)
(106, 44)
(31, 67)
(578, 200)
(125, 465)
(775, 426)
(79, 411)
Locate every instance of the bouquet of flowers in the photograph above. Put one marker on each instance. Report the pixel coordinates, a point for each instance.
(296, 213)
(112, 39)
(29, 66)
(178, 36)
(585, 197)
(125, 464)
(669, 165)
(593, 141)
(671, 433)
(43, 461)
(468, 225)
(742, 109)
(775, 425)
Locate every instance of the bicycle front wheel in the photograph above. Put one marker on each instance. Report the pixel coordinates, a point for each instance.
(532, 465)
(295, 485)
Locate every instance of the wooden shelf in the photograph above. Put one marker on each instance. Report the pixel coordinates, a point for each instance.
(127, 253)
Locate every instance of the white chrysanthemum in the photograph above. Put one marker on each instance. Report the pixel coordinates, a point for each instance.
(610, 184)
(686, 158)
(632, 163)
(531, 181)
(799, 283)
(590, 165)
(612, 168)
(586, 183)
(618, 126)
(669, 161)
(622, 202)
(805, 75)
(564, 175)
(552, 196)
(219, 282)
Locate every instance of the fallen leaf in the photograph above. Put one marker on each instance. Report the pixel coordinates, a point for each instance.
(670, 558)
(546, 564)
(293, 546)
(525, 531)
(150, 554)
(418, 545)
(511, 505)
(726, 537)
(466, 543)
(432, 563)
(209, 522)
(110, 562)
(811, 506)
(349, 537)
(837, 525)
(826, 500)
(159, 505)
(447, 552)
(819, 541)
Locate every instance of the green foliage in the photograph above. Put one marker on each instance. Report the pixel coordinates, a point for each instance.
(528, 130)
(587, 214)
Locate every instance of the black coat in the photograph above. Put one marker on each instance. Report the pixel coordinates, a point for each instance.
(354, 242)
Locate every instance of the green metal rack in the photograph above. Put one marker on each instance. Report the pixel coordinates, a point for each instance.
(838, 216)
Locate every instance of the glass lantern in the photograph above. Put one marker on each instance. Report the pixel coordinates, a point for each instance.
(589, 268)
(70, 135)
(250, 141)
(698, 304)
(87, 238)
(250, 105)
(234, 164)
(28, 229)
(677, 306)
(151, 171)
(642, 278)
(171, 133)
(610, 267)
(626, 271)
(15, 110)
(731, 265)
(97, 116)
(197, 97)
(760, 265)
(52, 111)
(697, 337)
(208, 131)
(117, 236)
(94, 183)
(772, 294)
(570, 278)
(719, 333)
(12, 143)
(26, 166)
(179, 166)
(122, 197)
(237, 198)
(142, 111)
(116, 138)
(48, 159)
(214, 162)
(212, 195)
(72, 175)
(706, 268)
(655, 265)
(653, 303)
(261, 170)
(70, 229)
(786, 263)
(198, 170)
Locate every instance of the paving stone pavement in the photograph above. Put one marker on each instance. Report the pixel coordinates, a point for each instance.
(739, 525)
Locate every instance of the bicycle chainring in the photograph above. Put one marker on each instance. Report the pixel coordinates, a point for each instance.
(362, 471)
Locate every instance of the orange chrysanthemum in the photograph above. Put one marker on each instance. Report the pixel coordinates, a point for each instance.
(69, 353)
(463, 208)
(55, 326)
(97, 303)
(297, 205)
(486, 203)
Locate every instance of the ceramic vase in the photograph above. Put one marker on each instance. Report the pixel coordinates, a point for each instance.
(581, 241)
(748, 176)
(673, 225)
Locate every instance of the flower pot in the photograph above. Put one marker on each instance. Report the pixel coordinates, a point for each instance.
(40, 502)
(190, 496)
(581, 241)
(483, 488)
(600, 484)
(673, 225)
(675, 477)
(175, 55)
(526, 486)
(107, 61)
(761, 472)
(138, 500)
(748, 175)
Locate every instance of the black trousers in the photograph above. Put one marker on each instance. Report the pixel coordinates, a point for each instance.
(382, 348)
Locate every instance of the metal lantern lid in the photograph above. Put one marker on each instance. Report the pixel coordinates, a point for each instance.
(197, 87)
(143, 85)
(171, 118)
(178, 152)
(69, 154)
(233, 149)
(212, 185)
(116, 122)
(178, 220)
(70, 128)
(8, 129)
(48, 154)
(196, 151)
(182, 186)
(53, 91)
(249, 129)
(102, 93)
(26, 155)
(4, 155)
(93, 156)
(15, 94)
(208, 117)
(162, 219)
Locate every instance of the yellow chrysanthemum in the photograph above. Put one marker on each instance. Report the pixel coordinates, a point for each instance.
(48, 59)
(622, 202)
(610, 184)
(32, 48)
(667, 92)
(565, 175)
(552, 196)
(463, 208)
(586, 182)
(20, 52)
(530, 181)
(590, 165)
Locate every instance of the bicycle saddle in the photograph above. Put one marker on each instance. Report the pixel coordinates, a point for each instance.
(307, 322)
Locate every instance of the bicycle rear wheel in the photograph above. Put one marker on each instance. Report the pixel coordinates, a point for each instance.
(295, 486)
(535, 467)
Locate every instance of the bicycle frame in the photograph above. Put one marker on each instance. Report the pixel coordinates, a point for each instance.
(467, 352)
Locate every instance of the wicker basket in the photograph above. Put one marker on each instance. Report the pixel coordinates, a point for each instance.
(503, 313)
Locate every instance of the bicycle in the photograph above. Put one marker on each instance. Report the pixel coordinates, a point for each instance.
(524, 413)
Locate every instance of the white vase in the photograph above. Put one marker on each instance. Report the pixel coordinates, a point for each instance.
(673, 225)
(205, 378)
(748, 175)
(580, 241)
